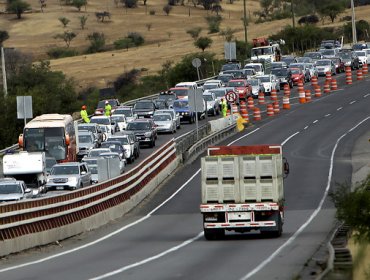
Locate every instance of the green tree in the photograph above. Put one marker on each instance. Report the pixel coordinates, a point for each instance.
(79, 3)
(203, 43)
(332, 9)
(228, 34)
(67, 37)
(51, 92)
(353, 207)
(18, 7)
(97, 42)
(213, 23)
(194, 32)
(83, 20)
(3, 36)
(266, 6)
(64, 21)
(167, 9)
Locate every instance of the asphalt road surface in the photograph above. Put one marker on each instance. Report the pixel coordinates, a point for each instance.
(162, 238)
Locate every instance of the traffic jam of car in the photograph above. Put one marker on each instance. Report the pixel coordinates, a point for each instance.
(104, 147)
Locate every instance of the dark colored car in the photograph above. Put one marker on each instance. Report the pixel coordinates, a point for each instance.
(238, 74)
(114, 103)
(225, 78)
(284, 75)
(145, 130)
(181, 107)
(339, 64)
(350, 59)
(288, 59)
(167, 96)
(230, 66)
(115, 146)
(145, 108)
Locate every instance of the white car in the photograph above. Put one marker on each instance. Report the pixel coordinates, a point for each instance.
(103, 121)
(367, 54)
(210, 84)
(122, 162)
(257, 87)
(106, 130)
(164, 123)
(258, 67)
(120, 121)
(362, 56)
(268, 82)
(213, 105)
(127, 111)
(312, 69)
(174, 115)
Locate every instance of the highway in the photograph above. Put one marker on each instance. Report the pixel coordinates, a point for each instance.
(162, 238)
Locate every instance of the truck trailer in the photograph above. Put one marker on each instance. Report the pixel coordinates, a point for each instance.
(242, 190)
(29, 167)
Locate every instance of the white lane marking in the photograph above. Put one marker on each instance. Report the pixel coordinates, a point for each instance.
(315, 121)
(327, 115)
(350, 103)
(127, 267)
(366, 95)
(290, 137)
(313, 215)
(340, 108)
(120, 229)
(305, 127)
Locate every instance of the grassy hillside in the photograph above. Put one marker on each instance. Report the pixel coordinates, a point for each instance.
(166, 39)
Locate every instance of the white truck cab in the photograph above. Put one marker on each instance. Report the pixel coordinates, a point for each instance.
(257, 66)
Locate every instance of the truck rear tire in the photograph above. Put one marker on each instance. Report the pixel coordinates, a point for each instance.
(214, 234)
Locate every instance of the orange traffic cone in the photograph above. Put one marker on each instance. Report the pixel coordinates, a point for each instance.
(326, 87)
(359, 75)
(286, 103)
(286, 90)
(308, 95)
(348, 75)
(276, 107)
(261, 98)
(256, 114)
(317, 91)
(270, 110)
(273, 95)
(314, 81)
(365, 69)
(250, 103)
(328, 76)
(334, 85)
(302, 96)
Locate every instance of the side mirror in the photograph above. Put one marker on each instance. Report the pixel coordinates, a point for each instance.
(285, 167)
(83, 172)
(27, 190)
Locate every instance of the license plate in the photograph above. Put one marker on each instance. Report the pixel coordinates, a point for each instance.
(239, 216)
(60, 188)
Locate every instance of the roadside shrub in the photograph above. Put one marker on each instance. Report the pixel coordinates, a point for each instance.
(311, 19)
(213, 23)
(123, 43)
(61, 52)
(130, 3)
(152, 12)
(136, 38)
(167, 9)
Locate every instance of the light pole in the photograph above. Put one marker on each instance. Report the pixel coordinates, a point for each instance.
(293, 19)
(245, 23)
(354, 32)
(4, 72)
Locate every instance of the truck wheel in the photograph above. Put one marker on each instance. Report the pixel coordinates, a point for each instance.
(214, 234)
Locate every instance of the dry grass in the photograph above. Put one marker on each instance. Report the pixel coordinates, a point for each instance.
(166, 40)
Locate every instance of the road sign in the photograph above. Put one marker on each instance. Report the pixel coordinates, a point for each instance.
(230, 51)
(231, 96)
(196, 62)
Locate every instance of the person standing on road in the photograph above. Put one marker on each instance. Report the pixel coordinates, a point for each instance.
(223, 107)
(84, 115)
(108, 109)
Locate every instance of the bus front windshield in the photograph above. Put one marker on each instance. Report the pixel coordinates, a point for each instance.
(51, 140)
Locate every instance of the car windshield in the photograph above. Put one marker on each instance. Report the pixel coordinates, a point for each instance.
(328, 52)
(313, 55)
(264, 79)
(249, 72)
(110, 155)
(236, 84)
(295, 71)
(180, 92)
(230, 66)
(288, 60)
(90, 161)
(10, 188)
(224, 78)
(104, 128)
(144, 105)
(126, 112)
(253, 82)
(93, 169)
(345, 55)
(262, 51)
(171, 112)
(219, 93)
(84, 139)
(64, 170)
(207, 97)
(322, 63)
(122, 140)
(180, 104)
(49, 162)
(280, 72)
(138, 126)
(97, 152)
(255, 67)
(91, 128)
(118, 118)
(210, 86)
(112, 146)
(162, 118)
(105, 121)
(361, 53)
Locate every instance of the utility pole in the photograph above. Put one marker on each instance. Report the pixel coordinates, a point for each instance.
(4, 72)
(293, 18)
(354, 32)
(245, 24)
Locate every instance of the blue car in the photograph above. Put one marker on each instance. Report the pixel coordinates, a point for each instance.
(181, 107)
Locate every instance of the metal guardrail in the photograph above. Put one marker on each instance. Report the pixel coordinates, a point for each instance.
(6, 150)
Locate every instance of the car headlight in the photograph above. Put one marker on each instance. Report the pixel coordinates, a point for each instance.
(49, 180)
(72, 180)
(147, 134)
